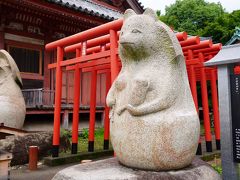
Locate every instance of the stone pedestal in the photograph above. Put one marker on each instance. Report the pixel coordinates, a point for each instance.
(110, 169)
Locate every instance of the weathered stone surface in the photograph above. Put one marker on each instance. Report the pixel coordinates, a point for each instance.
(18, 145)
(110, 169)
(154, 123)
(13, 110)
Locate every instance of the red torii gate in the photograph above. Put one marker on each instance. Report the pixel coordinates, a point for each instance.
(96, 52)
(86, 60)
(195, 56)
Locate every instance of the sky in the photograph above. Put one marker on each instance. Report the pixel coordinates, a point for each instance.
(229, 5)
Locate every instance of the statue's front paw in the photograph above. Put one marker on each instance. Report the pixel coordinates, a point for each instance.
(111, 114)
(132, 110)
(120, 110)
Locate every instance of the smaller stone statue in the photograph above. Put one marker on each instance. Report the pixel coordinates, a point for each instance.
(154, 123)
(13, 109)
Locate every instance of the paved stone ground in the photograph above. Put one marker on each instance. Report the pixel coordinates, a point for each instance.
(44, 172)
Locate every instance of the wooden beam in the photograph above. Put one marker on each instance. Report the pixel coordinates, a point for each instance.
(2, 18)
(1, 38)
(46, 82)
(46, 23)
(32, 76)
(54, 9)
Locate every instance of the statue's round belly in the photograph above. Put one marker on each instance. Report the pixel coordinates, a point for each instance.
(12, 112)
(157, 141)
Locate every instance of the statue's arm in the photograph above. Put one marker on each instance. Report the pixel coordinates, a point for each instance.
(111, 99)
(111, 96)
(118, 85)
(156, 105)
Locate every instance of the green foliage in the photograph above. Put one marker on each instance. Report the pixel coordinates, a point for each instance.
(98, 140)
(158, 12)
(198, 17)
(217, 168)
(84, 133)
(83, 139)
(223, 28)
(192, 14)
(98, 133)
(65, 133)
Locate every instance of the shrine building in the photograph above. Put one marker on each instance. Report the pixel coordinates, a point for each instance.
(26, 26)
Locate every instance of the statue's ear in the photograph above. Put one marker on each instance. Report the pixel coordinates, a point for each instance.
(4, 55)
(151, 13)
(128, 13)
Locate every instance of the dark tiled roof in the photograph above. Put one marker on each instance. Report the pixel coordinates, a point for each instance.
(89, 7)
(235, 37)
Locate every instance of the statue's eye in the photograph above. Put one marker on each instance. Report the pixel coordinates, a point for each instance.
(136, 31)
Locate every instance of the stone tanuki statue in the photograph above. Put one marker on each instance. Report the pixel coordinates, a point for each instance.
(13, 110)
(154, 123)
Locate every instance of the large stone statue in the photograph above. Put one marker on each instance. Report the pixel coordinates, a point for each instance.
(154, 123)
(13, 110)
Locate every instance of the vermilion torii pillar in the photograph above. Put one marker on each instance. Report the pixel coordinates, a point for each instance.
(106, 114)
(57, 109)
(206, 119)
(215, 108)
(113, 55)
(76, 106)
(193, 86)
(92, 111)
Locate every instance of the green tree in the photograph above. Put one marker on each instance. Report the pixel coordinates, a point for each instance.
(223, 28)
(198, 17)
(158, 12)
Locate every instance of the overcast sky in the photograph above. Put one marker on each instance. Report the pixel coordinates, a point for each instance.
(229, 5)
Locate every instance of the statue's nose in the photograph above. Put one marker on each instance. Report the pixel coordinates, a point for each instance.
(125, 40)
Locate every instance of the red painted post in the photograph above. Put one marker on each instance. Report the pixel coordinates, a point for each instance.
(106, 113)
(78, 52)
(193, 80)
(215, 47)
(201, 45)
(33, 157)
(57, 109)
(190, 41)
(215, 108)
(76, 104)
(193, 86)
(181, 36)
(88, 34)
(113, 55)
(92, 111)
(206, 119)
